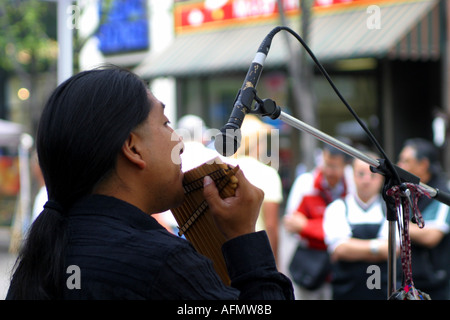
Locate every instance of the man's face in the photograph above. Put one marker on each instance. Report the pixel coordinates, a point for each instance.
(333, 168)
(367, 183)
(408, 161)
(162, 150)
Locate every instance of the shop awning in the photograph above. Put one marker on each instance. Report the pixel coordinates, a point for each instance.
(210, 52)
(407, 30)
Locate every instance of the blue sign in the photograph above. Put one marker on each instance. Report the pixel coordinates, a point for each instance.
(125, 27)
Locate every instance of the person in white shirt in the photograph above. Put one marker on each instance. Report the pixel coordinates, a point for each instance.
(308, 198)
(192, 129)
(356, 234)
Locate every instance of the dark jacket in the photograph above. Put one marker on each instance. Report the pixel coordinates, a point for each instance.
(123, 253)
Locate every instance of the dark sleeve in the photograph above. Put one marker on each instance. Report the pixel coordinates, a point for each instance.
(252, 269)
(188, 275)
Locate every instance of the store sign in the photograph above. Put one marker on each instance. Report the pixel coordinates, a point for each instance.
(125, 28)
(198, 15)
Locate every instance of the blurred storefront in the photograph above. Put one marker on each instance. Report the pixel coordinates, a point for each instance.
(386, 57)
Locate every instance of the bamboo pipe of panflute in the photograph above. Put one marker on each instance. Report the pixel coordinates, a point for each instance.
(193, 216)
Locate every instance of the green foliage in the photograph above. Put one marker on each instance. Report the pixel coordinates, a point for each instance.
(27, 36)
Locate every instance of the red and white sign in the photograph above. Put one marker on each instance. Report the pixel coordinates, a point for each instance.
(198, 15)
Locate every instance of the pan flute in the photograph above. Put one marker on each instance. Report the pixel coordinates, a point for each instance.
(195, 221)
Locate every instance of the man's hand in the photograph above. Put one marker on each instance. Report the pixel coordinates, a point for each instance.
(236, 215)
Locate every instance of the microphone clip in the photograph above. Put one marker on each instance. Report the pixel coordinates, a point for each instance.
(266, 107)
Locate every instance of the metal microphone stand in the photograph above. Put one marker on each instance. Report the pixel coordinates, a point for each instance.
(269, 108)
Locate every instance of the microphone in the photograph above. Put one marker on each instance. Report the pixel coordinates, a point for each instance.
(229, 139)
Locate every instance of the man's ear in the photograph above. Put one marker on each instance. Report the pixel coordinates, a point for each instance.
(131, 151)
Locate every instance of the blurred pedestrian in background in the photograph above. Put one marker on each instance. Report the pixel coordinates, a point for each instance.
(308, 198)
(192, 129)
(252, 157)
(356, 233)
(430, 246)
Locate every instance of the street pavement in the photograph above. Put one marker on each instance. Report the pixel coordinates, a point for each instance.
(6, 261)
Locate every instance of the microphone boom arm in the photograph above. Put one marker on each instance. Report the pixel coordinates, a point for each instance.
(269, 108)
(377, 165)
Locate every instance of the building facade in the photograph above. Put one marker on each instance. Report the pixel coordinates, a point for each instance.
(387, 58)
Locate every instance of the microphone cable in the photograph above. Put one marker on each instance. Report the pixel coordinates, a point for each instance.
(325, 74)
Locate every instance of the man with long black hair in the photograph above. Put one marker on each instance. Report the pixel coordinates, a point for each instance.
(110, 160)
